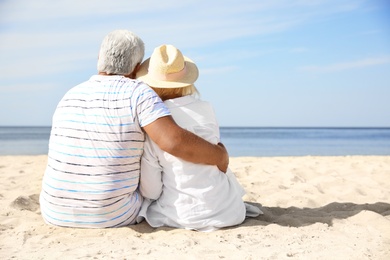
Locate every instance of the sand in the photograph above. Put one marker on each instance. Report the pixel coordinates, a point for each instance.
(315, 208)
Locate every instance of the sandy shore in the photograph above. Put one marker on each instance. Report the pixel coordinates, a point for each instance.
(315, 208)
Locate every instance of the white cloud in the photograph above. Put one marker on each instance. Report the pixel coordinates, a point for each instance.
(200, 21)
(43, 36)
(38, 10)
(16, 41)
(347, 65)
(26, 67)
(28, 87)
(220, 70)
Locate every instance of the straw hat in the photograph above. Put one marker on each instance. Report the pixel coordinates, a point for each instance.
(168, 68)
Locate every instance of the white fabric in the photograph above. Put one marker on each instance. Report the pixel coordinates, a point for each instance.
(186, 195)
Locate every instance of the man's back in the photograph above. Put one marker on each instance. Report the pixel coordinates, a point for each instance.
(94, 153)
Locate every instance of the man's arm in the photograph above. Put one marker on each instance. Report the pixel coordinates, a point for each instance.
(181, 143)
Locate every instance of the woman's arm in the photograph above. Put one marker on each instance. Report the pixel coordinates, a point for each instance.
(151, 173)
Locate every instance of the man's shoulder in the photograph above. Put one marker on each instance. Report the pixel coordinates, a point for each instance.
(140, 84)
(99, 80)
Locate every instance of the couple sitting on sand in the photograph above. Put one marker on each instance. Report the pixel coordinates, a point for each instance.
(122, 151)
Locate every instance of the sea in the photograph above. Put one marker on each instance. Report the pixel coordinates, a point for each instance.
(242, 141)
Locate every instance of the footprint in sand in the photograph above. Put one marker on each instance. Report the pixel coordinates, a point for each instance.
(30, 203)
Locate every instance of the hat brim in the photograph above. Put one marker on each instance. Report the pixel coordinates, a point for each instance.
(188, 78)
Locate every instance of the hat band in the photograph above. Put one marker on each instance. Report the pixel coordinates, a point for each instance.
(170, 76)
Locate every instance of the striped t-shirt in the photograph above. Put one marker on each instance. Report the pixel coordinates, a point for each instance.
(95, 147)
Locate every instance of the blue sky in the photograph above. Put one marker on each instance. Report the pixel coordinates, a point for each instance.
(262, 63)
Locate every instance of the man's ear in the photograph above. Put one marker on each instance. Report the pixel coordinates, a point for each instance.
(136, 69)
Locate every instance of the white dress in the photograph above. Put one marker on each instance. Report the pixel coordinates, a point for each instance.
(187, 195)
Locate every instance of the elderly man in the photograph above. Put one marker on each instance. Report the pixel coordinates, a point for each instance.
(97, 140)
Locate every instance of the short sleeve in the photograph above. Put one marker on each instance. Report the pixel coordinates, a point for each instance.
(149, 106)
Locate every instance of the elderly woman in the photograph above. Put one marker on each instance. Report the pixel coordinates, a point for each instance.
(179, 193)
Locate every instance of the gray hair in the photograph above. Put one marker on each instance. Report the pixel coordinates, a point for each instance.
(120, 52)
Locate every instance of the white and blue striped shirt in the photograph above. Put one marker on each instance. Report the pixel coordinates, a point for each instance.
(95, 148)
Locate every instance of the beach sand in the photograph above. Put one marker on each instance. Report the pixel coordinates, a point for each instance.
(315, 208)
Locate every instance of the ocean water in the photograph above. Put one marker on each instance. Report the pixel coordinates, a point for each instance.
(24, 140)
(306, 141)
(241, 141)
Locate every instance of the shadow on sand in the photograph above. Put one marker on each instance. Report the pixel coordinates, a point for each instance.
(295, 217)
(299, 217)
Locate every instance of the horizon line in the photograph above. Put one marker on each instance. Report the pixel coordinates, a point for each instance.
(46, 126)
